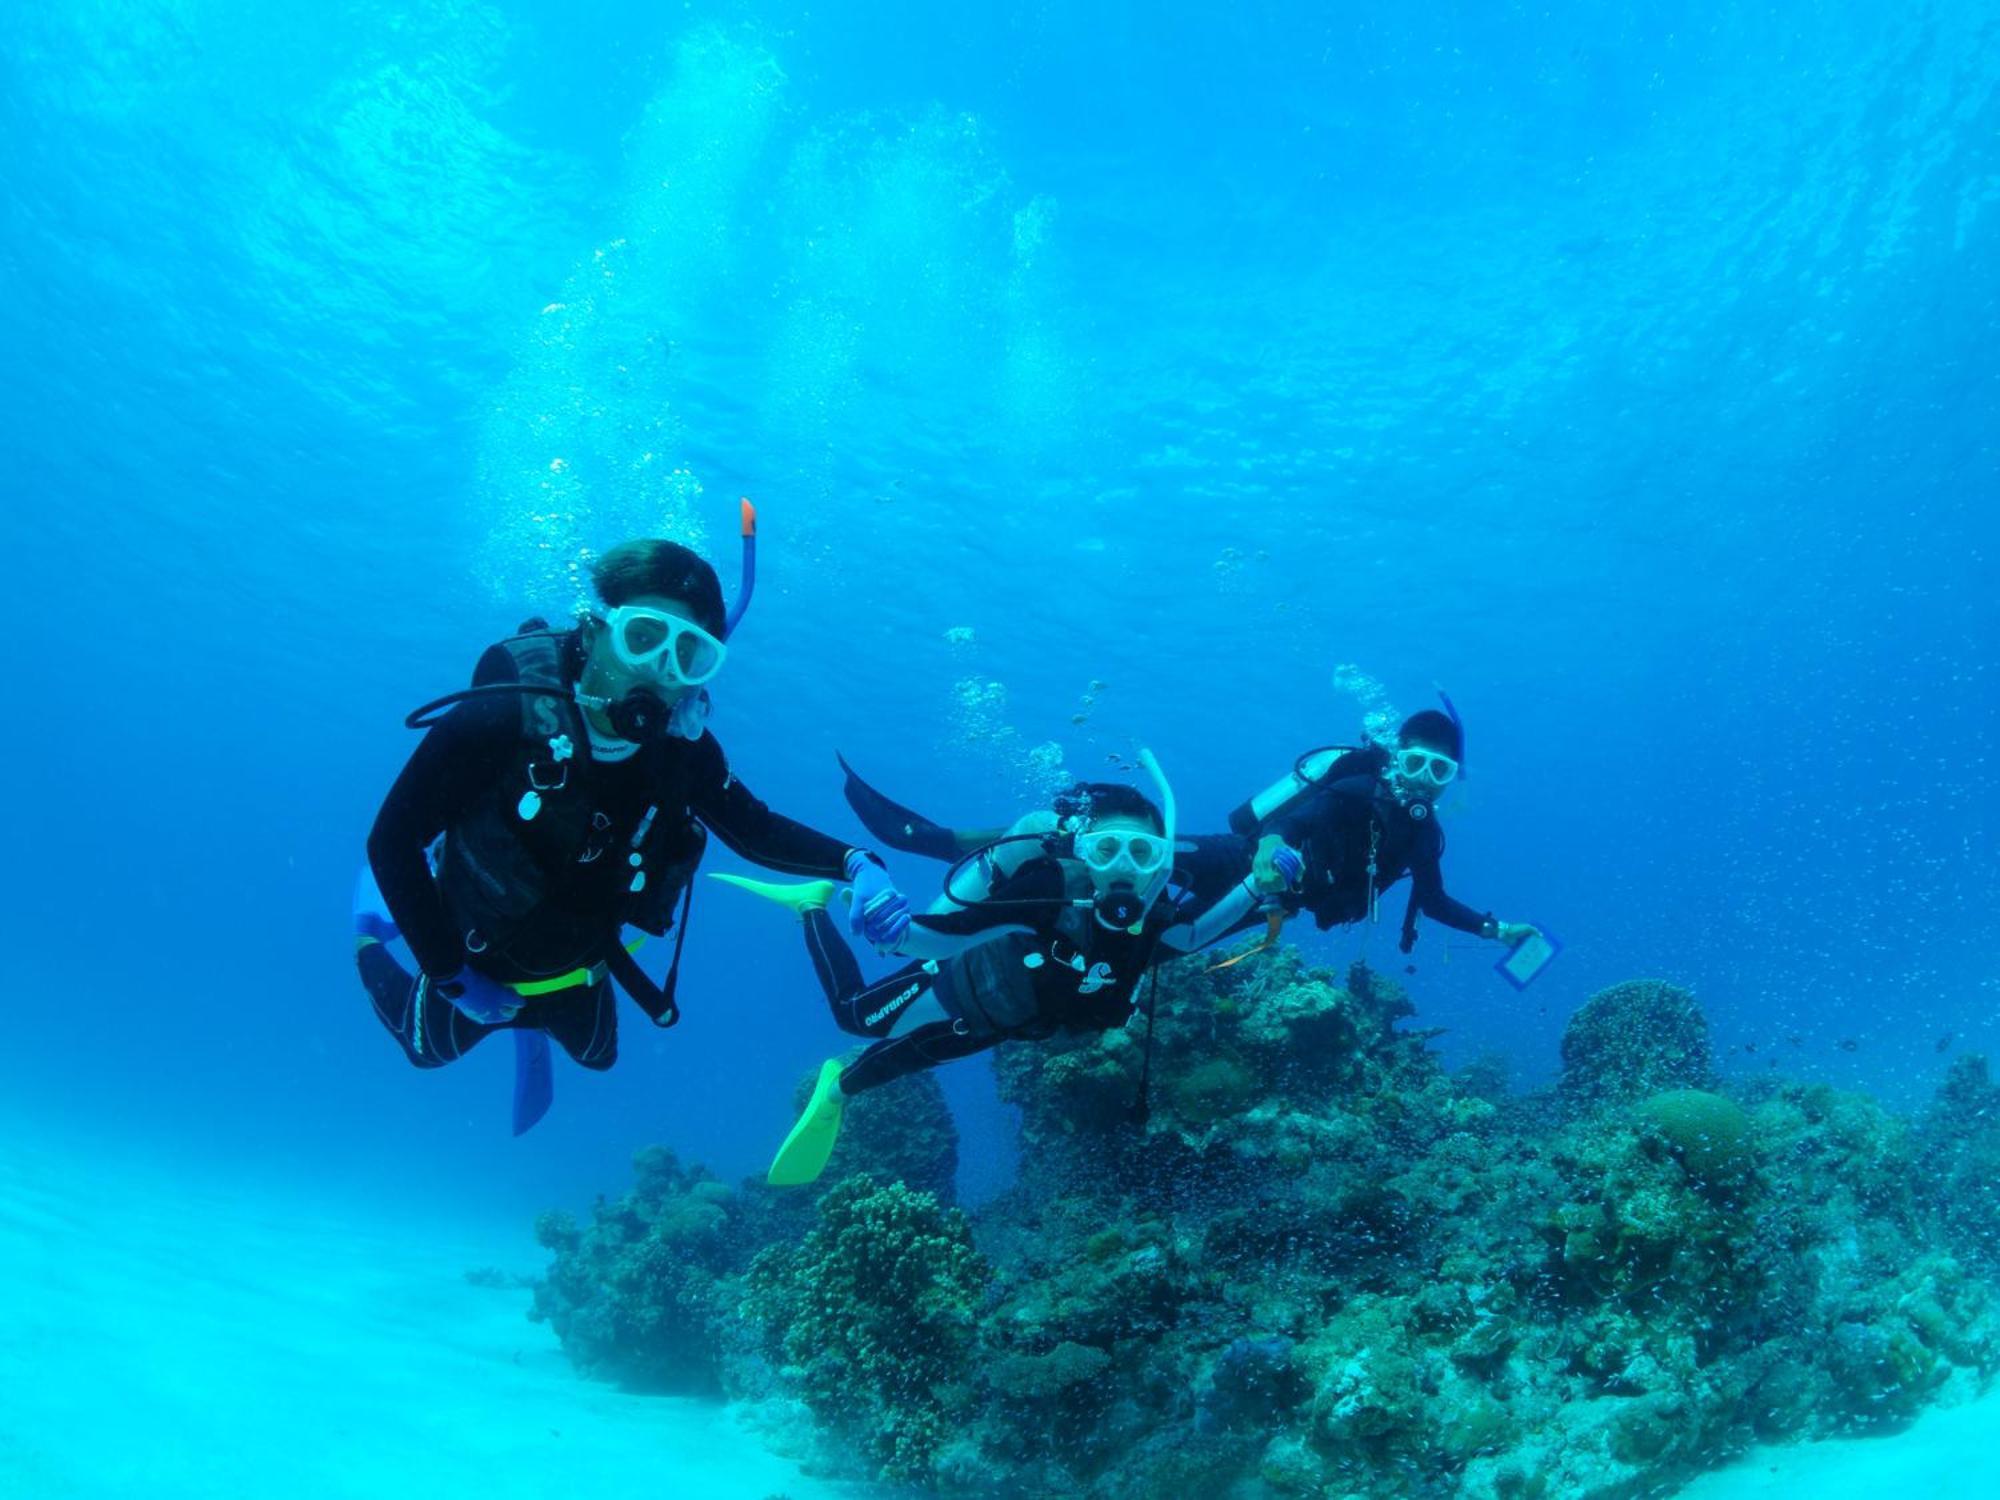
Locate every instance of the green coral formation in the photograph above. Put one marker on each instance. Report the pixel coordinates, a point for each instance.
(1634, 1039)
(647, 1292)
(1960, 1140)
(905, 1135)
(1709, 1135)
(1314, 1264)
(875, 1315)
(640, 1294)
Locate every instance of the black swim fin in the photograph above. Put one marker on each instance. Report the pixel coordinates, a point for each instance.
(534, 1080)
(896, 825)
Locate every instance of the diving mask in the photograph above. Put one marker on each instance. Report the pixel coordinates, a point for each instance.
(1414, 763)
(1136, 851)
(1146, 856)
(666, 646)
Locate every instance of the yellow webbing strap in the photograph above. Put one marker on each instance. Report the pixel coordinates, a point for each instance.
(528, 989)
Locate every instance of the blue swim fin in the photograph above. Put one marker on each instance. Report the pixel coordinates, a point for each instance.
(534, 1080)
(372, 922)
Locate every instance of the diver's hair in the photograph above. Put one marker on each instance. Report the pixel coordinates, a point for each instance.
(1433, 730)
(1105, 799)
(653, 566)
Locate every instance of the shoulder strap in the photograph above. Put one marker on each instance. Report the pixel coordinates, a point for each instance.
(538, 660)
(1076, 918)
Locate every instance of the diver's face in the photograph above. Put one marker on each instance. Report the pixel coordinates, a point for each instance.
(1122, 851)
(607, 675)
(1420, 773)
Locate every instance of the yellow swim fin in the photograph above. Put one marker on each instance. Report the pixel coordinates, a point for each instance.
(800, 897)
(806, 1150)
(1274, 923)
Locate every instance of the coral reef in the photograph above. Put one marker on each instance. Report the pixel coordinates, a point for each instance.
(905, 1135)
(1960, 1140)
(647, 1292)
(640, 1293)
(1308, 1262)
(875, 1315)
(1634, 1039)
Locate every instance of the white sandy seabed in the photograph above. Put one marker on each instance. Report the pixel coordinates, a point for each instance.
(163, 1340)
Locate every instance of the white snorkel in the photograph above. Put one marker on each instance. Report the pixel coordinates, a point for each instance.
(1169, 823)
(1169, 818)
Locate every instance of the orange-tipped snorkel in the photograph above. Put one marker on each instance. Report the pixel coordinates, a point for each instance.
(748, 586)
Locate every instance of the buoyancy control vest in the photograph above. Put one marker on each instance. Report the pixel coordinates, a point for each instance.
(1031, 985)
(502, 866)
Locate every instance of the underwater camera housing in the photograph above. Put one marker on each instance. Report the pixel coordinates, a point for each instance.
(1524, 962)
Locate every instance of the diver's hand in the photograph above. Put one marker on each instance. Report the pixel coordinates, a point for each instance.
(1277, 866)
(878, 911)
(478, 998)
(1513, 934)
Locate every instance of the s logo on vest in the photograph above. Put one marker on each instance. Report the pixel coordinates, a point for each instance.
(1099, 976)
(547, 721)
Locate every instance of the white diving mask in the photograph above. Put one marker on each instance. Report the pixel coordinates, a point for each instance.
(669, 647)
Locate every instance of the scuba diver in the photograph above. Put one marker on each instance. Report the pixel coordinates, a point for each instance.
(567, 794)
(1046, 927)
(1362, 817)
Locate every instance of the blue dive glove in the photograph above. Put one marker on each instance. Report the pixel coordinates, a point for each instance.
(879, 911)
(1276, 867)
(476, 997)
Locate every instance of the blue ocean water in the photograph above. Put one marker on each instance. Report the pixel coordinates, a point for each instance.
(1109, 375)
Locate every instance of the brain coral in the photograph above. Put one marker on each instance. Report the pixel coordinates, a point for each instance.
(1631, 1040)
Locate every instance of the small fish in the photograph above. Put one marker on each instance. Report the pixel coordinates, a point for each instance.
(1848, 1044)
(1944, 1042)
(1749, 1046)
(1796, 1041)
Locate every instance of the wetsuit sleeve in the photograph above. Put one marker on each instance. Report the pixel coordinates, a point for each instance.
(1032, 897)
(742, 821)
(1295, 823)
(1217, 922)
(1216, 862)
(456, 760)
(1427, 877)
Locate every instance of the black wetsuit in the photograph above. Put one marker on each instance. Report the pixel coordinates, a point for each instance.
(1350, 820)
(465, 781)
(1068, 973)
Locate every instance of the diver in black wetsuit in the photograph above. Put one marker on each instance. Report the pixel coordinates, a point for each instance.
(566, 795)
(1363, 818)
(1047, 928)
